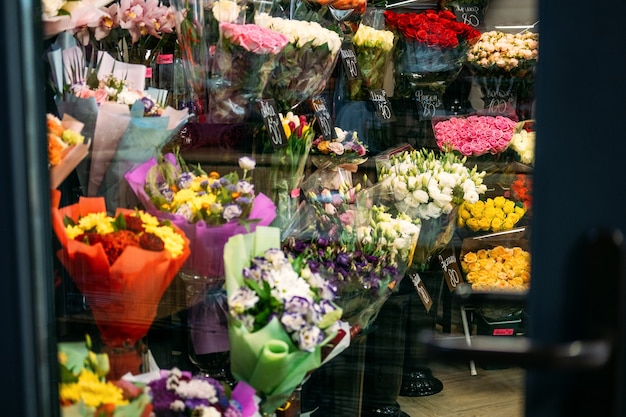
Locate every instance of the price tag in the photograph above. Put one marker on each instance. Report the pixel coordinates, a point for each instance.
(322, 116)
(499, 95)
(165, 59)
(348, 59)
(451, 270)
(421, 291)
(470, 14)
(273, 124)
(382, 105)
(429, 104)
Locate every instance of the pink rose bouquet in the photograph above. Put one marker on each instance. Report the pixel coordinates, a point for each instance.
(245, 57)
(474, 135)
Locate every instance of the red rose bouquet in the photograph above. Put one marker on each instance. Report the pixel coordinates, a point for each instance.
(431, 41)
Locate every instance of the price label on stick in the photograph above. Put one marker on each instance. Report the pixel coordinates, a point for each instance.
(450, 267)
(272, 121)
(322, 115)
(421, 290)
(382, 105)
(348, 59)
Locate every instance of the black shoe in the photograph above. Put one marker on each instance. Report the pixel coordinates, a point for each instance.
(388, 411)
(420, 383)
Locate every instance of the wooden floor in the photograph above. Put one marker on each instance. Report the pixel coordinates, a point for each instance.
(490, 393)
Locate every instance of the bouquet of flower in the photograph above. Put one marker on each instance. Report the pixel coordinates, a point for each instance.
(431, 41)
(497, 269)
(474, 135)
(355, 243)
(134, 31)
(281, 315)
(209, 208)
(306, 62)
(374, 49)
(122, 265)
(523, 141)
(337, 158)
(84, 391)
(491, 215)
(127, 125)
(287, 166)
(177, 393)
(430, 186)
(498, 52)
(503, 65)
(66, 147)
(246, 56)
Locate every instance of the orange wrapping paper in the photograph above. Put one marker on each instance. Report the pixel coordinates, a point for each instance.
(123, 297)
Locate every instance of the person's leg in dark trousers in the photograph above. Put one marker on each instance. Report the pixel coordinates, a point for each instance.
(384, 359)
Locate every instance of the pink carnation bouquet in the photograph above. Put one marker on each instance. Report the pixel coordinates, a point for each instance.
(474, 135)
(245, 57)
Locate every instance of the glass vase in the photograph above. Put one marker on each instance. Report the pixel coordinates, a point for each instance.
(126, 357)
(207, 322)
(193, 34)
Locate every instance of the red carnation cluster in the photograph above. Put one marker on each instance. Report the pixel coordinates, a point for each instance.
(432, 28)
(133, 235)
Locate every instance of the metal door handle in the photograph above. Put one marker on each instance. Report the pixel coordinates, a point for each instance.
(520, 351)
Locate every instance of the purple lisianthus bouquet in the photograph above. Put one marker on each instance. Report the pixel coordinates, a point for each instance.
(281, 315)
(359, 246)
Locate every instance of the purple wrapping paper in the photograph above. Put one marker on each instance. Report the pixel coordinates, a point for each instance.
(207, 241)
(208, 322)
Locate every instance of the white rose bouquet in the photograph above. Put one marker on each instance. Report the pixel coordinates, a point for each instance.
(430, 186)
(523, 141)
(306, 62)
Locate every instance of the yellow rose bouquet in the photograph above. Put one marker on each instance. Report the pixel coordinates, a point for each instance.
(490, 215)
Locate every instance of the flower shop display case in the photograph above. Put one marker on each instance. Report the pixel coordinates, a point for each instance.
(217, 146)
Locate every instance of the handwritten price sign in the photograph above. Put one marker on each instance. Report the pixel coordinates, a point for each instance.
(273, 124)
(348, 59)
